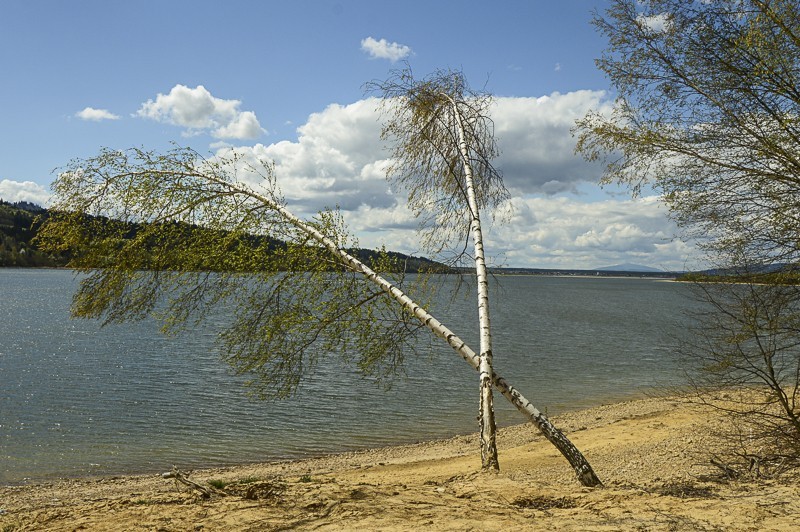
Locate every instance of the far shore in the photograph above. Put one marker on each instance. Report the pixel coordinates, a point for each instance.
(652, 455)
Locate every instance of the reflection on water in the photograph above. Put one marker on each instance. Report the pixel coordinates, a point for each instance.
(79, 399)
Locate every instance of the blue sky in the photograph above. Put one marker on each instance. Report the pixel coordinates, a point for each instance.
(283, 80)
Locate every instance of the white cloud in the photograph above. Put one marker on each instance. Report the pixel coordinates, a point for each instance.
(335, 161)
(537, 146)
(13, 191)
(197, 110)
(338, 159)
(385, 50)
(244, 126)
(546, 232)
(559, 232)
(655, 23)
(96, 115)
(220, 145)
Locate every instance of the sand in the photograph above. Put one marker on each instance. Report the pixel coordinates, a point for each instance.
(652, 455)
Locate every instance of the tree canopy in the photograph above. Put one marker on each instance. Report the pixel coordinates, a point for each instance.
(428, 121)
(707, 111)
(288, 311)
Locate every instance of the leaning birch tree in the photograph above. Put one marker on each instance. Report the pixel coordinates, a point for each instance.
(171, 235)
(443, 148)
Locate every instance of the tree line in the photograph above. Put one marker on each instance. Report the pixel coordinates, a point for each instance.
(19, 247)
(18, 228)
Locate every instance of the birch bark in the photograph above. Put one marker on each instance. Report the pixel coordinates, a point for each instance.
(488, 432)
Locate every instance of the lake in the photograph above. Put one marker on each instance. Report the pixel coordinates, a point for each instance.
(78, 399)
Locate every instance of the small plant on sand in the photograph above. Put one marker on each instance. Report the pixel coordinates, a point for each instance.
(218, 484)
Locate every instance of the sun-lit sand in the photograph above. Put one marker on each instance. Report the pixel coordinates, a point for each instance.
(652, 455)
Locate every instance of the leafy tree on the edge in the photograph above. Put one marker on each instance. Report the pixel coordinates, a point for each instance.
(708, 113)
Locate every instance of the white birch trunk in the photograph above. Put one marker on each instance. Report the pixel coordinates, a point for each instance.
(581, 466)
(488, 429)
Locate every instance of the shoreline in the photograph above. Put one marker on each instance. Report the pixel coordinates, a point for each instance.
(651, 454)
(46, 478)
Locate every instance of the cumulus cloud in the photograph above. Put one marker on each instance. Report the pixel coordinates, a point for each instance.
(384, 49)
(537, 145)
(199, 111)
(336, 161)
(96, 115)
(339, 160)
(13, 191)
(545, 232)
(558, 232)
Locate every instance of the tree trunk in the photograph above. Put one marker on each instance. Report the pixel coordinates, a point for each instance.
(583, 469)
(488, 429)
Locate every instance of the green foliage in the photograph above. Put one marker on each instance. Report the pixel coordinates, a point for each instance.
(282, 327)
(708, 112)
(18, 226)
(181, 238)
(423, 121)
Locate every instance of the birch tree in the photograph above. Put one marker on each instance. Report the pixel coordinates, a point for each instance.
(288, 310)
(443, 148)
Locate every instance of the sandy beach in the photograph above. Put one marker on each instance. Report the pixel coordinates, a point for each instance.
(652, 455)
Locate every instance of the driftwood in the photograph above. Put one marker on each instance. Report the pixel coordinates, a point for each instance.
(180, 477)
(730, 472)
(251, 489)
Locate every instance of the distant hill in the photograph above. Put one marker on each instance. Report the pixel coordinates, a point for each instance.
(627, 267)
(19, 223)
(17, 229)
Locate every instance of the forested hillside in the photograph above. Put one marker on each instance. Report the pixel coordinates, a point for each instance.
(20, 221)
(18, 224)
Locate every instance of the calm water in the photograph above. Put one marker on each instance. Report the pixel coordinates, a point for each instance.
(76, 399)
